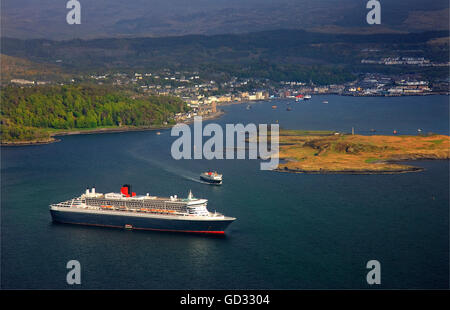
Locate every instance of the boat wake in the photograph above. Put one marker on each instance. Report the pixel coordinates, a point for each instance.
(191, 178)
(185, 174)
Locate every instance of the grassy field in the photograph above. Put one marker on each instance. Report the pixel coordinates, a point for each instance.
(322, 152)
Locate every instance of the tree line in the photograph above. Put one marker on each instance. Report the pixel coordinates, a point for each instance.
(28, 111)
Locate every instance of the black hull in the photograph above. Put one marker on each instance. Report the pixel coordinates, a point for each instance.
(215, 182)
(142, 223)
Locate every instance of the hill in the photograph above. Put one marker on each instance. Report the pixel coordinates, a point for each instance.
(156, 18)
(34, 114)
(19, 68)
(278, 55)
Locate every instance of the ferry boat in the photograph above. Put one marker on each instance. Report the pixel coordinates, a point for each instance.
(130, 211)
(211, 177)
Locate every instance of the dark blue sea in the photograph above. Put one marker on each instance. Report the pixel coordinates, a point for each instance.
(293, 231)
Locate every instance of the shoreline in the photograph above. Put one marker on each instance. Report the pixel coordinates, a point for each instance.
(30, 143)
(52, 138)
(354, 172)
(211, 116)
(405, 169)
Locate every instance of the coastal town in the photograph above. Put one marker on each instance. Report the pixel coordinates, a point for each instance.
(197, 89)
(203, 95)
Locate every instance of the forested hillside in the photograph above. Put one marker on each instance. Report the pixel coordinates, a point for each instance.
(28, 113)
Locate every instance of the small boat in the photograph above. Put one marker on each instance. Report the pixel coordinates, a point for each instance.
(248, 107)
(395, 132)
(307, 97)
(289, 109)
(211, 177)
(325, 101)
(274, 107)
(158, 133)
(299, 98)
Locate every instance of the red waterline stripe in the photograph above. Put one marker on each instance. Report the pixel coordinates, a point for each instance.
(186, 231)
(152, 229)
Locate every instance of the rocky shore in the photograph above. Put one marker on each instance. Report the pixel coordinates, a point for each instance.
(350, 171)
(31, 142)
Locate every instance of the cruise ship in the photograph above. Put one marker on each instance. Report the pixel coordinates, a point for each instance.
(130, 211)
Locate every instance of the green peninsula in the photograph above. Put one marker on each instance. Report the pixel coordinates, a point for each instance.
(32, 115)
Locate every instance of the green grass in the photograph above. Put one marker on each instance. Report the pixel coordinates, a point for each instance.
(437, 142)
(284, 132)
(371, 160)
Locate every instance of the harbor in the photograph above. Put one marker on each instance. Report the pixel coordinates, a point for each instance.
(282, 218)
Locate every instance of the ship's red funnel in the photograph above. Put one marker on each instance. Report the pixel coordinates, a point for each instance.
(126, 190)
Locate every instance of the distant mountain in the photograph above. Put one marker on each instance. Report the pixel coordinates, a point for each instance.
(150, 18)
(14, 67)
(277, 46)
(277, 55)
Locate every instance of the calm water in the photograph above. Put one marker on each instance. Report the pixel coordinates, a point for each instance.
(293, 231)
